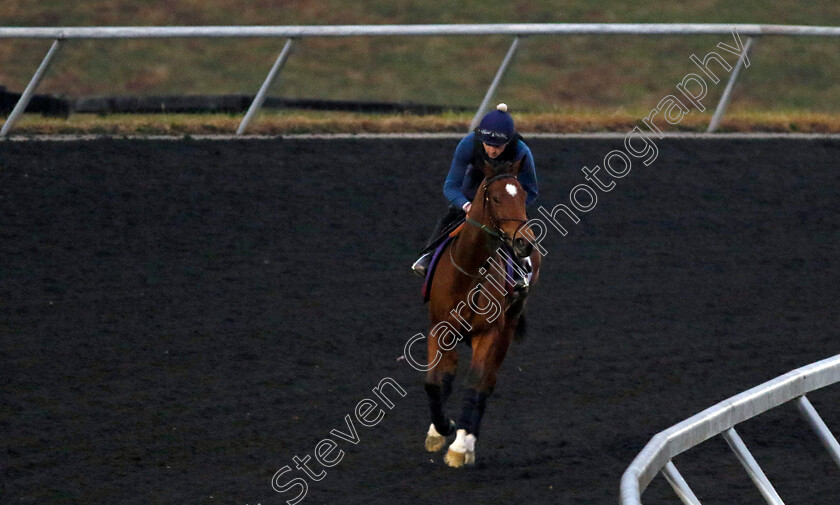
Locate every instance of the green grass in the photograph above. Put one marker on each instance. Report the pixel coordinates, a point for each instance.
(289, 122)
(549, 74)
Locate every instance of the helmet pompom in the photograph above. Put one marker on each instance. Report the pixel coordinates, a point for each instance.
(496, 128)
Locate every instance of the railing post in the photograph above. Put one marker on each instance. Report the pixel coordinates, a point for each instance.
(679, 484)
(269, 80)
(810, 414)
(750, 464)
(495, 84)
(30, 89)
(727, 92)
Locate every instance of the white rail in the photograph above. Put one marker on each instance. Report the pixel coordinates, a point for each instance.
(133, 32)
(295, 32)
(721, 420)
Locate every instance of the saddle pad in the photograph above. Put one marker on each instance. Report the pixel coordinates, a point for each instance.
(430, 273)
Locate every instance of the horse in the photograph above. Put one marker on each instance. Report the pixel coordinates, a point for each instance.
(469, 301)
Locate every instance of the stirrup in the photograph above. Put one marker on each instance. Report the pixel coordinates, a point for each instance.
(421, 266)
(524, 282)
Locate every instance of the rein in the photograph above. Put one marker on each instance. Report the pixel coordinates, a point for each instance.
(484, 228)
(458, 267)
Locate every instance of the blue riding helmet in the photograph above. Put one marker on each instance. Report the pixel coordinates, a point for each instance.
(496, 128)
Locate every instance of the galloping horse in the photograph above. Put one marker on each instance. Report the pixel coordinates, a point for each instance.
(469, 300)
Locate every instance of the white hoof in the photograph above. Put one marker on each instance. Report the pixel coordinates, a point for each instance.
(462, 450)
(454, 459)
(434, 440)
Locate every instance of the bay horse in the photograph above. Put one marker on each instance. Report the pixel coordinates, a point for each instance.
(468, 300)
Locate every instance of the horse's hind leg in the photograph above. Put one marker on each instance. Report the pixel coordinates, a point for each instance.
(438, 388)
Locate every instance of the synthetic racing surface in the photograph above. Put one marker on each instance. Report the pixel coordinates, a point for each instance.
(180, 319)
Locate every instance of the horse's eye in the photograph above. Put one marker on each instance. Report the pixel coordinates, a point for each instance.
(496, 200)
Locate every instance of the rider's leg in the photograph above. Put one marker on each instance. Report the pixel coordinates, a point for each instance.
(520, 277)
(444, 226)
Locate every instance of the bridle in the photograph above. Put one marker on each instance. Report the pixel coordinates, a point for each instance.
(496, 230)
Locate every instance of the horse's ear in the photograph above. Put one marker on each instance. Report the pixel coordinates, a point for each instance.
(488, 170)
(514, 168)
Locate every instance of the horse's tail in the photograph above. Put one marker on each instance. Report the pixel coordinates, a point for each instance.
(516, 311)
(521, 329)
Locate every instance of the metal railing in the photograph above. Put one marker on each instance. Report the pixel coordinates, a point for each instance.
(292, 33)
(721, 420)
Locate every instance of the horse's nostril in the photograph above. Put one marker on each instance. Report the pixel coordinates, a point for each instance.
(522, 247)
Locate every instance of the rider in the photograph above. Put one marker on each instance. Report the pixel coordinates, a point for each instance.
(495, 141)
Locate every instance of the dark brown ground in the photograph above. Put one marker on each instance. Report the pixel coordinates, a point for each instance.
(179, 319)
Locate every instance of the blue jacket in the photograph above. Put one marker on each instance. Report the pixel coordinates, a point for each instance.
(463, 179)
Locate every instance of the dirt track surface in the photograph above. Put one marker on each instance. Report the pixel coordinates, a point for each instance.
(179, 319)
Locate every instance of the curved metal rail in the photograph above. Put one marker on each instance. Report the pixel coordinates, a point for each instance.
(721, 420)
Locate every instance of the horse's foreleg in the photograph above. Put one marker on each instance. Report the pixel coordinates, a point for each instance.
(488, 353)
(438, 388)
(462, 450)
(473, 405)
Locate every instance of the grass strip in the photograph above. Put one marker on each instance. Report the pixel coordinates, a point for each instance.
(287, 122)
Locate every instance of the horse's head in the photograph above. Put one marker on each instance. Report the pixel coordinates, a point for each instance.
(503, 206)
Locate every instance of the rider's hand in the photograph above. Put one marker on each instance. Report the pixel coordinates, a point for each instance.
(466, 207)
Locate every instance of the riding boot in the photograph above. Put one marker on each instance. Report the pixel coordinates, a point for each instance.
(444, 226)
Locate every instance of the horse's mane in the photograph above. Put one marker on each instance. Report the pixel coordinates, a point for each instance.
(502, 168)
(492, 170)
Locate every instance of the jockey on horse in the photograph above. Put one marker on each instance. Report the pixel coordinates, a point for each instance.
(494, 142)
(469, 299)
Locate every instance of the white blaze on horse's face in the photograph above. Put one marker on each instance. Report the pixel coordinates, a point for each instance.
(511, 189)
